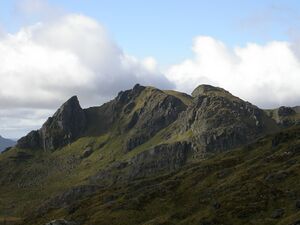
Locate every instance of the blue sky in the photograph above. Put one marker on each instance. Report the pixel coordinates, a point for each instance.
(165, 29)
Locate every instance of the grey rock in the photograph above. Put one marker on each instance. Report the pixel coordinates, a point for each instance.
(160, 159)
(30, 141)
(65, 126)
(220, 121)
(60, 222)
(277, 213)
(159, 111)
(286, 111)
(87, 152)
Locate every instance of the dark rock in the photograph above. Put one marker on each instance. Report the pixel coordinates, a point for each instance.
(277, 177)
(286, 111)
(216, 205)
(159, 111)
(298, 204)
(221, 121)
(277, 213)
(65, 126)
(87, 152)
(30, 141)
(161, 159)
(296, 223)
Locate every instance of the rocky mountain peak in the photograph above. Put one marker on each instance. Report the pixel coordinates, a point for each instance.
(205, 89)
(67, 124)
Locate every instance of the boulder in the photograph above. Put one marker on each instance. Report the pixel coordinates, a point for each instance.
(87, 152)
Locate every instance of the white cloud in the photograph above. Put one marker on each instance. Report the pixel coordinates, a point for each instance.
(266, 75)
(45, 64)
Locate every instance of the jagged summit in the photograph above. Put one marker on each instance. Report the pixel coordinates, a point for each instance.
(67, 124)
(205, 89)
(215, 119)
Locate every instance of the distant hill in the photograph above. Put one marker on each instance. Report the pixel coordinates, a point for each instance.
(4, 143)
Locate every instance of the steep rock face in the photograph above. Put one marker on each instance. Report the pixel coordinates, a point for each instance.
(30, 141)
(102, 119)
(67, 124)
(220, 121)
(160, 159)
(157, 112)
(137, 114)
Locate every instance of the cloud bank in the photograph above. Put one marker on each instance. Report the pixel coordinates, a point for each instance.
(45, 64)
(267, 75)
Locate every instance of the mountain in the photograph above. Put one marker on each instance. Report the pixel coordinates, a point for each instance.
(5, 143)
(153, 156)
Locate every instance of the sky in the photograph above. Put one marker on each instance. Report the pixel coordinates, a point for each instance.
(52, 50)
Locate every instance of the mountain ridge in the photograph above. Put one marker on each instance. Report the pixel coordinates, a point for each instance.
(142, 134)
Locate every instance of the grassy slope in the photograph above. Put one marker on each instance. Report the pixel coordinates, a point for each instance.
(243, 186)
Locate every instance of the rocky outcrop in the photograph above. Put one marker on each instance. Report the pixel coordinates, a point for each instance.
(30, 141)
(158, 160)
(220, 121)
(285, 116)
(65, 126)
(138, 114)
(60, 222)
(157, 112)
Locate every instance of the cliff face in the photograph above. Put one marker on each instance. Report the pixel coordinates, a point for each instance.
(64, 127)
(220, 121)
